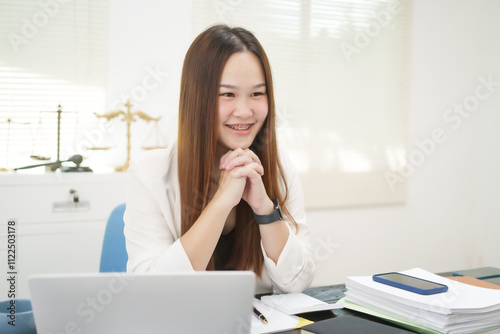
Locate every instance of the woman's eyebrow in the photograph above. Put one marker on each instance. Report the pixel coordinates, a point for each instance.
(236, 87)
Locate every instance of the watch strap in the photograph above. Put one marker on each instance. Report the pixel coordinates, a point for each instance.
(274, 216)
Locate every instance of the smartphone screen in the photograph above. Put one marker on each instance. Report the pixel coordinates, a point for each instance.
(410, 283)
(409, 280)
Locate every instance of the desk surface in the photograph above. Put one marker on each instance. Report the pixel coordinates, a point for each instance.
(331, 294)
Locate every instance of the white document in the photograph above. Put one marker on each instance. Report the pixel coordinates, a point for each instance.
(295, 303)
(277, 321)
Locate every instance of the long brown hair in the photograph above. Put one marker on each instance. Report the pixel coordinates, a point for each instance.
(197, 138)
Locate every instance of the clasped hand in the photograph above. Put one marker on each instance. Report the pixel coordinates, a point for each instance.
(241, 178)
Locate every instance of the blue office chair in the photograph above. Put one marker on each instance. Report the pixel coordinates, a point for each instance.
(114, 255)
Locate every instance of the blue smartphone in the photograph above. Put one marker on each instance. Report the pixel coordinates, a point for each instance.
(410, 283)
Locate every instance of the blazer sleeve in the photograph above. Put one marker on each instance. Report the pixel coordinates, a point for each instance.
(152, 228)
(296, 266)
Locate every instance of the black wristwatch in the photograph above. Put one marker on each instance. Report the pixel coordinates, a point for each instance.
(270, 218)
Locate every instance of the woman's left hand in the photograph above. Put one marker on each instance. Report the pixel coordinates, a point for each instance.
(245, 163)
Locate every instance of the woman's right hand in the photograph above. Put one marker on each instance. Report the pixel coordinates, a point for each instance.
(201, 239)
(230, 189)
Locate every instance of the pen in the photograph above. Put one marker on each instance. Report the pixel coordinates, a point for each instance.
(259, 315)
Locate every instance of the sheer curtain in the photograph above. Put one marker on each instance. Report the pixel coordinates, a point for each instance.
(341, 71)
(51, 53)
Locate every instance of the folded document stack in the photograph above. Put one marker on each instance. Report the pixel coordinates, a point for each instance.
(462, 309)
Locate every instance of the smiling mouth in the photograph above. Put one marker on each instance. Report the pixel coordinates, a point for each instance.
(239, 127)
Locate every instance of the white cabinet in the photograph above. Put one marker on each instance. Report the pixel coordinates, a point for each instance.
(54, 234)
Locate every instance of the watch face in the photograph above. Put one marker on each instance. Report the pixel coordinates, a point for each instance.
(278, 210)
(274, 216)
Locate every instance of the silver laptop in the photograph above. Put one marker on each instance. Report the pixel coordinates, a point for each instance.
(202, 302)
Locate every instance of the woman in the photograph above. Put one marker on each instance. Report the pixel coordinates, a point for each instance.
(221, 198)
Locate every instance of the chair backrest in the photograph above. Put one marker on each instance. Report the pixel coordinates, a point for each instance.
(114, 254)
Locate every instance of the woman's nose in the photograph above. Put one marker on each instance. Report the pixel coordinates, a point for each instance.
(243, 108)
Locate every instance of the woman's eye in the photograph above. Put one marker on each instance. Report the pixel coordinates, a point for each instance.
(258, 94)
(226, 94)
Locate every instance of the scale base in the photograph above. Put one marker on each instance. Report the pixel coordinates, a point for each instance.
(122, 168)
(75, 169)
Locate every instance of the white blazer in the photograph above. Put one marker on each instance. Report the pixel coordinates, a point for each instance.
(153, 225)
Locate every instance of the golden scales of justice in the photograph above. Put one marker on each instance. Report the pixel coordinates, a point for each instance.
(128, 118)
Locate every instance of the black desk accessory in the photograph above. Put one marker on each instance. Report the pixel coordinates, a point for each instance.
(352, 325)
(77, 159)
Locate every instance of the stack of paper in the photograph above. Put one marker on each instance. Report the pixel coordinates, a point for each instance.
(462, 309)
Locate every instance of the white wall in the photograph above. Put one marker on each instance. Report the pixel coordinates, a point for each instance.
(450, 220)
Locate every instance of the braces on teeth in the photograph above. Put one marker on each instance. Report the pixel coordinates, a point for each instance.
(239, 127)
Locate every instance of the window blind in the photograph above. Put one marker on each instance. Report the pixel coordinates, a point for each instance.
(341, 71)
(52, 53)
